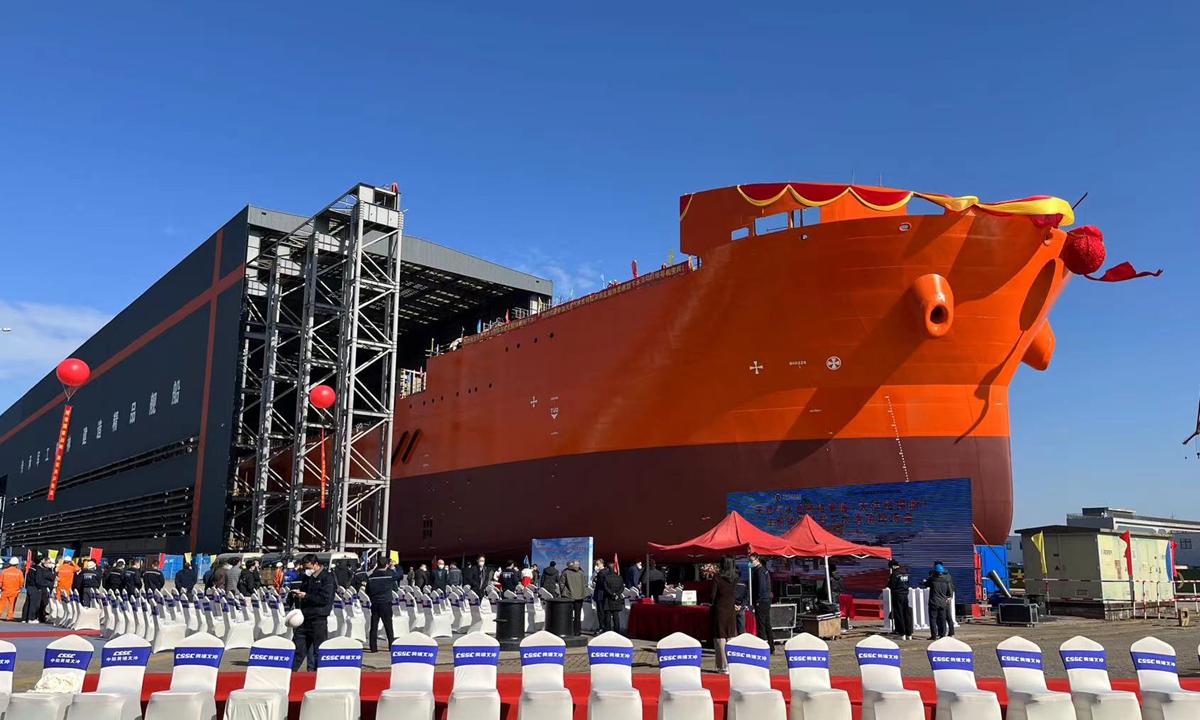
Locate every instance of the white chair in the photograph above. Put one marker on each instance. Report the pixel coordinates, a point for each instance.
(1091, 692)
(168, 631)
(750, 693)
(813, 698)
(543, 695)
(1162, 697)
(884, 696)
(264, 696)
(1028, 696)
(959, 697)
(87, 618)
(410, 695)
(474, 696)
(118, 694)
(63, 668)
(339, 670)
(193, 681)
(8, 663)
(683, 697)
(437, 622)
(239, 629)
(613, 696)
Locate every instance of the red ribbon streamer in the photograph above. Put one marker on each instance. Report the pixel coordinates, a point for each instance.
(1123, 272)
(59, 450)
(322, 467)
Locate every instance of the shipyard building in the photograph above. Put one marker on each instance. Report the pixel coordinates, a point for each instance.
(189, 437)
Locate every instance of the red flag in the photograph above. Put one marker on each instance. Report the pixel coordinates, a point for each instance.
(505, 317)
(59, 450)
(634, 266)
(162, 560)
(96, 554)
(1128, 552)
(1123, 272)
(616, 564)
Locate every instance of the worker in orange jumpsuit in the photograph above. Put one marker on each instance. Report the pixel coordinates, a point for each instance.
(66, 576)
(11, 582)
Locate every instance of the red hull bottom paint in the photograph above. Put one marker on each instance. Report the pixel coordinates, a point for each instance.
(625, 499)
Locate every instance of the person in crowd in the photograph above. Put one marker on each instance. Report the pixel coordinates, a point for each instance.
(250, 580)
(837, 589)
(740, 601)
(526, 575)
(537, 575)
(573, 586)
(454, 576)
(114, 577)
(233, 575)
(614, 598)
(11, 582)
(379, 588)
(598, 573)
(185, 579)
(315, 601)
(441, 576)
(361, 577)
(510, 577)
(87, 582)
(66, 576)
(902, 620)
(210, 577)
(46, 579)
(152, 578)
(633, 574)
(343, 572)
(941, 594)
(421, 577)
(290, 575)
(478, 577)
(549, 580)
(760, 598)
(131, 578)
(277, 578)
(654, 581)
(724, 613)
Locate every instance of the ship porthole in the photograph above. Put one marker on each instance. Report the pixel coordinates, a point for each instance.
(455, 393)
(905, 227)
(551, 336)
(803, 237)
(489, 385)
(518, 346)
(535, 341)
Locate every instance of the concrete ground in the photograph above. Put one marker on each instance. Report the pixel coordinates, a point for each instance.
(982, 637)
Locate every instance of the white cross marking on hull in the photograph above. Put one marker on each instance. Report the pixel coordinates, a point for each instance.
(757, 368)
(834, 362)
(533, 402)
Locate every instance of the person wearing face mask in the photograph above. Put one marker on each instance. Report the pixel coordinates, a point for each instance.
(479, 577)
(454, 575)
(315, 601)
(441, 576)
(87, 582)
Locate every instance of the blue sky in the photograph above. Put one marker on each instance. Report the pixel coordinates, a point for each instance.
(558, 136)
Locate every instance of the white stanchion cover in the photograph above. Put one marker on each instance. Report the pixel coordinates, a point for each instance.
(8, 663)
(63, 668)
(884, 696)
(474, 697)
(750, 693)
(118, 694)
(543, 695)
(1158, 677)
(1086, 663)
(193, 681)
(613, 696)
(959, 697)
(410, 696)
(1021, 663)
(339, 671)
(813, 698)
(682, 696)
(268, 678)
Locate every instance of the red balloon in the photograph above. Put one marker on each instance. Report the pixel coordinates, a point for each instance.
(73, 373)
(323, 397)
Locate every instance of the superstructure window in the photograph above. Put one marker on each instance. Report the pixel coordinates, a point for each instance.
(426, 527)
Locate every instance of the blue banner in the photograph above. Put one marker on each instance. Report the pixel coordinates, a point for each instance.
(125, 656)
(808, 659)
(679, 657)
(877, 656)
(348, 657)
(71, 659)
(610, 656)
(476, 656)
(562, 551)
(1019, 659)
(422, 654)
(921, 522)
(1154, 661)
(1084, 659)
(543, 655)
(942, 660)
(740, 655)
(273, 658)
(204, 657)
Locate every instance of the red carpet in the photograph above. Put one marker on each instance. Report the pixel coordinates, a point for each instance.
(510, 690)
(48, 634)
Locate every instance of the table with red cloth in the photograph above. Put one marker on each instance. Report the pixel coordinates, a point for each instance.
(653, 621)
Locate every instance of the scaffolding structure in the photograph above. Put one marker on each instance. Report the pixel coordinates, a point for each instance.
(321, 307)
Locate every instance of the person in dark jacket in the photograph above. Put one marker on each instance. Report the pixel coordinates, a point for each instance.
(724, 613)
(510, 577)
(46, 579)
(653, 581)
(185, 579)
(359, 582)
(249, 580)
(132, 578)
(599, 571)
(941, 594)
(454, 576)
(343, 573)
(898, 586)
(87, 582)
(478, 577)
(573, 586)
(114, 577)
(740, 601)
(633, 575)
(760, 598)
(550, 578)
(441, 576)
(614, 598)
(420, 576)
(837, 588)
(315, 601)
(379, 588)
(152, 578)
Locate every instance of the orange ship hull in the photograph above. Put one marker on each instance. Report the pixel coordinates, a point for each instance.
(873, 347)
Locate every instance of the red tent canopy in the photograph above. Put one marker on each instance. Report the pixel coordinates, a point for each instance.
(732, 536)
(811, 540)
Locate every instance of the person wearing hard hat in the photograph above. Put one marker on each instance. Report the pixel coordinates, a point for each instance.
(277, 579)
(11, 582)
(66, 576)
